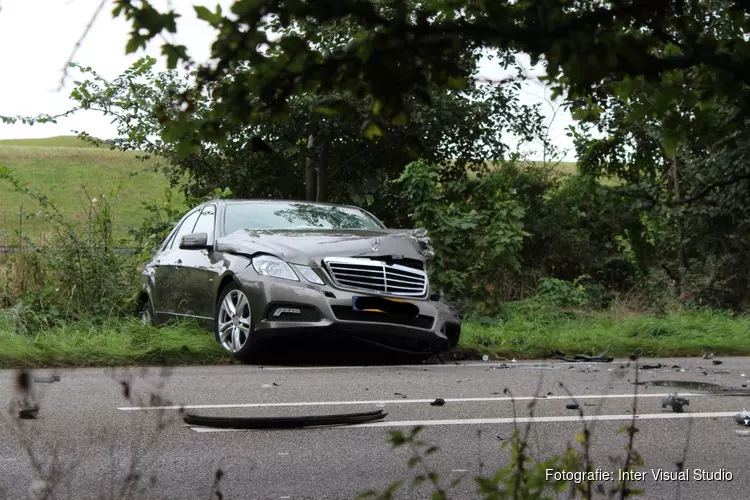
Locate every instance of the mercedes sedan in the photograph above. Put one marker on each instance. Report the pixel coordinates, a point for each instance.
(250, 270)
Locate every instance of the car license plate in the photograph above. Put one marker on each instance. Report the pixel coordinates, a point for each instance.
(384, 300)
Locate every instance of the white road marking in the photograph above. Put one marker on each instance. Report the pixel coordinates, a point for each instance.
(406, 401)
(519, 420)
(448, 364)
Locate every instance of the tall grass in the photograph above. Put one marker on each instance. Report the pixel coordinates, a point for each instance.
(529, 329)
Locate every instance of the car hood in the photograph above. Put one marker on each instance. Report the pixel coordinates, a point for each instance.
(309, 247)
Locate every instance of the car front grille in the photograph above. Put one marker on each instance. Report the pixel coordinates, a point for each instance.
(373, 276)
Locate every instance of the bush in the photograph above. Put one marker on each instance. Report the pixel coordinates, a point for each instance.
(476, 227)
(80, 272)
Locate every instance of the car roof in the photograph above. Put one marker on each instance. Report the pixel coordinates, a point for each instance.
(261, 200)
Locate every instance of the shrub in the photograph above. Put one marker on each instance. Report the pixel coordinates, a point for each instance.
(80, 272)
(476, 227)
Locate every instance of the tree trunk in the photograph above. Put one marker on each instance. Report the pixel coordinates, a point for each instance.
(678, 224)
(323, 160)
(310, 174)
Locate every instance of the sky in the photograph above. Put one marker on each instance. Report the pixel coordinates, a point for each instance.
(36, 58)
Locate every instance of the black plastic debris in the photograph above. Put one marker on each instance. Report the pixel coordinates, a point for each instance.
(675, 401)
(283, 422)
(717, 362)
(743, 418)
(676, 367)
(399, 394)
(601, 358)
(28, 413)
(47, 379)
(571, 406)
(438, 402)
(651, 367)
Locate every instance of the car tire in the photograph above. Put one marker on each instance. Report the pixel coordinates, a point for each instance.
(235, 336)
(146, 313)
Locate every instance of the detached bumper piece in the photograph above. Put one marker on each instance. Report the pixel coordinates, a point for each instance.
(283, 422)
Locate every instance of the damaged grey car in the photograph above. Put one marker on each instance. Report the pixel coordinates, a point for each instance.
(250, 270)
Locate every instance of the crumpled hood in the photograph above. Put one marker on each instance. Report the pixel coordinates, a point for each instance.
(309, 247)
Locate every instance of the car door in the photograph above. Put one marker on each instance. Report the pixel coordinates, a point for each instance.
(170, 294)
(199, 272)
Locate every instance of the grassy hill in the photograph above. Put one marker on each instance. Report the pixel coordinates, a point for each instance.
(66, 169)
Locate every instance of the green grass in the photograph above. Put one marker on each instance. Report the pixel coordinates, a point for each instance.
(65, 169)
(68, 141)
(529, 331)
(112, 343)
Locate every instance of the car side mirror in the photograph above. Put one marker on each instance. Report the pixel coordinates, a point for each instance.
(194, 241)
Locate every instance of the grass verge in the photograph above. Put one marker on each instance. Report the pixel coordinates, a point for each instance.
(528, 330)
(109, 343)
(525, 332)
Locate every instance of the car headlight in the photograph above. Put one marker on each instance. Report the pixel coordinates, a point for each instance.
(268, 265)
(310, 275)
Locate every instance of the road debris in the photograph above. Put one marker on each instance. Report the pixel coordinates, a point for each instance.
(675, 401)
(28, 413)
(651, 367)
(708, 355)
(601, 358)
(717, 362)
(485, 358)
(47, 379)
(283, 422)
(572, 406)
(743, 418)
(399, 394)
(438, 402)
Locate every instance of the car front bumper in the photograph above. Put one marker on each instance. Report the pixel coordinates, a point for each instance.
(285, 307)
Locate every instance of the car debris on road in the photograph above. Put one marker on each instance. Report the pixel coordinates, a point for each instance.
(601, 358)
(675, 401)
(47, 379)
(438, 402)
(28, 413)
(283, 422)
(743, 418)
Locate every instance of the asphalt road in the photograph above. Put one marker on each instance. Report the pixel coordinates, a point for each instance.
(88, 437)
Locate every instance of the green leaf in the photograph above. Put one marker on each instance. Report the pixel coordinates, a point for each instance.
(400, 119)
(372, 130)
(457, 83)
(212, 18)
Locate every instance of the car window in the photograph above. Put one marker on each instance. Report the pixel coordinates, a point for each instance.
(205, 222)
(285, 215)
(185, 228)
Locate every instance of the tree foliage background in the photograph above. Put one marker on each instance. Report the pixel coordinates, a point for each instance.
(377, 103)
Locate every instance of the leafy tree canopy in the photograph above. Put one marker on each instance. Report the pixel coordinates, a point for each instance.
(398, 48)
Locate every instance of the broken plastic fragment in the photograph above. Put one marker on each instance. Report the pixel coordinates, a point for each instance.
(708, 355)
(675, 401)
(28, 413)
(47, 379)
(743, 418)
(438, 402)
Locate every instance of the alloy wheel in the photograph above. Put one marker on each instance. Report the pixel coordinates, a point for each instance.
(234, 321)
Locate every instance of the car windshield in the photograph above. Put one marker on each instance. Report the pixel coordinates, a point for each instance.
(290, 216)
